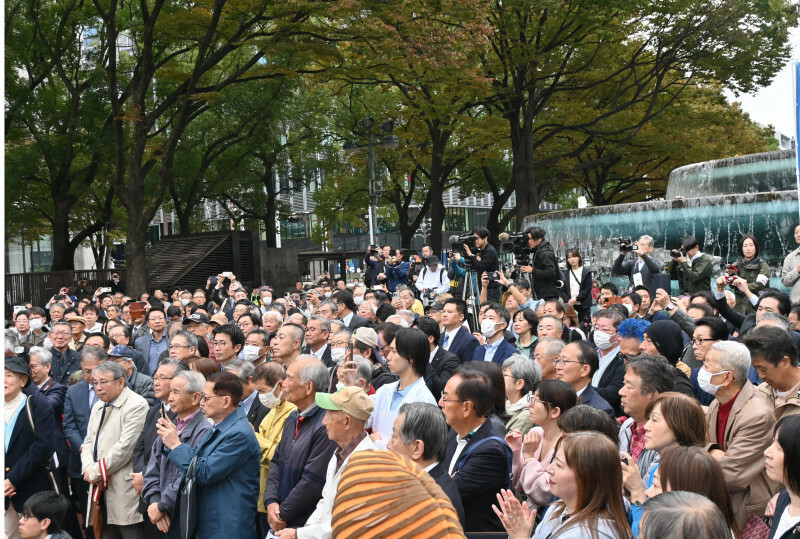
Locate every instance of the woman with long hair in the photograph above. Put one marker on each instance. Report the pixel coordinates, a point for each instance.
(534, 451)
(578, 285)
(587, 478)
(525, 324)
(783, 466)
(752, 269)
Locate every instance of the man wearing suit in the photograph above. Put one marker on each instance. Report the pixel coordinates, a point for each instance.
(55, 393)
(115, 424)
(442, 363)
(641, 270)
(455, 338)
(156, 342)
(477, 457)
(228, 462)
(575, 365)
(420, 433)
(318, 331)
(610, 374)
(78, 404)
(345, 312)
(250, 403)
(497, 349)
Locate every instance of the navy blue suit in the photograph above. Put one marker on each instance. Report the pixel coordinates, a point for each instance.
(228, 463)
(611, 382)
(29, 451)
(55, 394)
(593, 399)
(463, 345)
(76, 420)
(503, 352)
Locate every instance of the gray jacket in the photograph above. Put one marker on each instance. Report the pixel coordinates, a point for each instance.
(789, 274)
(550, 523)
(142, 385)
(162, 479)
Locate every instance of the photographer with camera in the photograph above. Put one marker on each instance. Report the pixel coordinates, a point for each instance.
(543, 267)
(418, 262)
(640, 270)
(374, 259)
(395, 270)
(485, 259)
(455, 272)
(432, 280)
(691, 267)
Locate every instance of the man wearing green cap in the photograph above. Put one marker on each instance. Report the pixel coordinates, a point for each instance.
(347, 413)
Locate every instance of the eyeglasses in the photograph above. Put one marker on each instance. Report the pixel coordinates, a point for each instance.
(701, 341)
(99, 383)
(532, 398)
(162, 378)
(24, 517)
(204, 398)
(558, 361)
(174, 346)
(60, 334)
(445, 399)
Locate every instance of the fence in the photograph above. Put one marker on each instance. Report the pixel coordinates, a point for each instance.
(38, 288)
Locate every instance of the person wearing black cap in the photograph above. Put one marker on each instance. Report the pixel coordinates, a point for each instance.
(692, 268)
(665, 338)
(433, 280)
(31, 430)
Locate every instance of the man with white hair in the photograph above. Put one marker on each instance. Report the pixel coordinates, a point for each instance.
(272, 320)
(742, 424)
(55, 393)
(640, 270)
(368, 309)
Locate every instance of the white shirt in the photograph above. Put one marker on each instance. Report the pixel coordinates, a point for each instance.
(461, 443)
(451, 335)
(605, 361)
(319, 353)
(346, 320)
(433, 353)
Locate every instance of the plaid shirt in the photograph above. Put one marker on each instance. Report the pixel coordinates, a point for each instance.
(637, 441)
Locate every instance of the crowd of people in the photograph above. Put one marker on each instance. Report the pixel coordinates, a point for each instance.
(433, 398)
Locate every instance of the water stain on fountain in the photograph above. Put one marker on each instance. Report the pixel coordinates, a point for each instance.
(716, 201)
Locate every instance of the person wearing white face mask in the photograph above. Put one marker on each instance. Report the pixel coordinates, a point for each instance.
(742, 424)
(610, 374)
(497, 349)
(256, 346)
(267, 379)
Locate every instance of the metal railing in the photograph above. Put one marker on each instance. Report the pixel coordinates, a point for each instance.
(38, 288)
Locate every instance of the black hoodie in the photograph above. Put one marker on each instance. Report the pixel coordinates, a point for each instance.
(668, 339)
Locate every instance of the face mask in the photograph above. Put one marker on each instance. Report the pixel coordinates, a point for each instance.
(185, 302)
(270, 399)
(266, 300)
(487, 328)
(704, 381)
(250, 352)
(602, 339)
(337, 355)
(327, 294)
(36, 324)
(628, 307)
(358, 300)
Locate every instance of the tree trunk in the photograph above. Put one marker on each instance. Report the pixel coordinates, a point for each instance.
(136, 277)
(63, 249)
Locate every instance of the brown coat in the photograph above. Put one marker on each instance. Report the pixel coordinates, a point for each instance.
(784, 405)
(748, 433)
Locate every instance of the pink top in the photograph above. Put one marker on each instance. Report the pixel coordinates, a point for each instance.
(530, 477)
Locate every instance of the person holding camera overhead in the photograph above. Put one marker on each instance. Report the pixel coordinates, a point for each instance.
(691, 267)
(640, 270)
(485, 260)
(543, 268)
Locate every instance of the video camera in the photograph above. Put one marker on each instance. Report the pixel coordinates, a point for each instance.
(458, 242)
(516, 243)
(374, 250)
(677, 253)
(626, 245)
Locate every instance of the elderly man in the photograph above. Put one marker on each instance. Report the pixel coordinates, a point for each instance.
(166, 372)
(549, 327)
(162, 478)
(742, 424)
(65, 359)
(575, 365)
(318, 330)
(198, 325)
(479, 470)
(107, 452)
(227, 462)
(139, 383)
(545, 353)
(368, 309)
(78, 326)
(420, 433)
(272, 320)
(39, 360)
(287, 343)
(774, 355)
(346, 414)
(183, 346)
(156, 342)
(645, 378)
(641, 270)
(256, 346)
(297, 473)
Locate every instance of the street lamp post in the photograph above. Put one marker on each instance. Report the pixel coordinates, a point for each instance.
(389, 142)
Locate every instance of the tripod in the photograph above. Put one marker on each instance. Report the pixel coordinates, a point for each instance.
(469, 294)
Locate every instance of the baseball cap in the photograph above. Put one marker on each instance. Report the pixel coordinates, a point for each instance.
(432, 260)
(121, 350)
(351, 400)
(435, 306)
(367, 336)
(198, 318)
(219, 318)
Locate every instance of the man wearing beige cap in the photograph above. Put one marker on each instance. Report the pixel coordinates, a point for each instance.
(78, 324)
(347, 413)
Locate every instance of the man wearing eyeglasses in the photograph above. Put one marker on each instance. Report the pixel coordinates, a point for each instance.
(139, 383)
(228, 460)
(575, 365)
(65, 360)
(115, 424)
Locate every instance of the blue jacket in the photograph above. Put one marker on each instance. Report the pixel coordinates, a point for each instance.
(227, 469)
(29, 449)
(503, 352)
(593, 399)
(397, 274)
(76, 420)
(298, 469)
(463, 345)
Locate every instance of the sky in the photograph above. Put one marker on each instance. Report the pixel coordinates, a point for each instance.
(774, 104)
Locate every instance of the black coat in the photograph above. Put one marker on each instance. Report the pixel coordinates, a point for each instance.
(440, 370)
(28, 451)
(591, 398)
(463, 345)
(440, 475)
(257, 413)
(611, 382)
(783, 503)
(480, 478)
(63, 365)
(144, 445)
(627, 267)
(545, 274)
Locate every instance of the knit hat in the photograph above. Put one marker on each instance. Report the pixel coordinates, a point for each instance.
(667, 338)
(382, 494)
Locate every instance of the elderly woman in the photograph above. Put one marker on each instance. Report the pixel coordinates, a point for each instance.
(521, 376)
